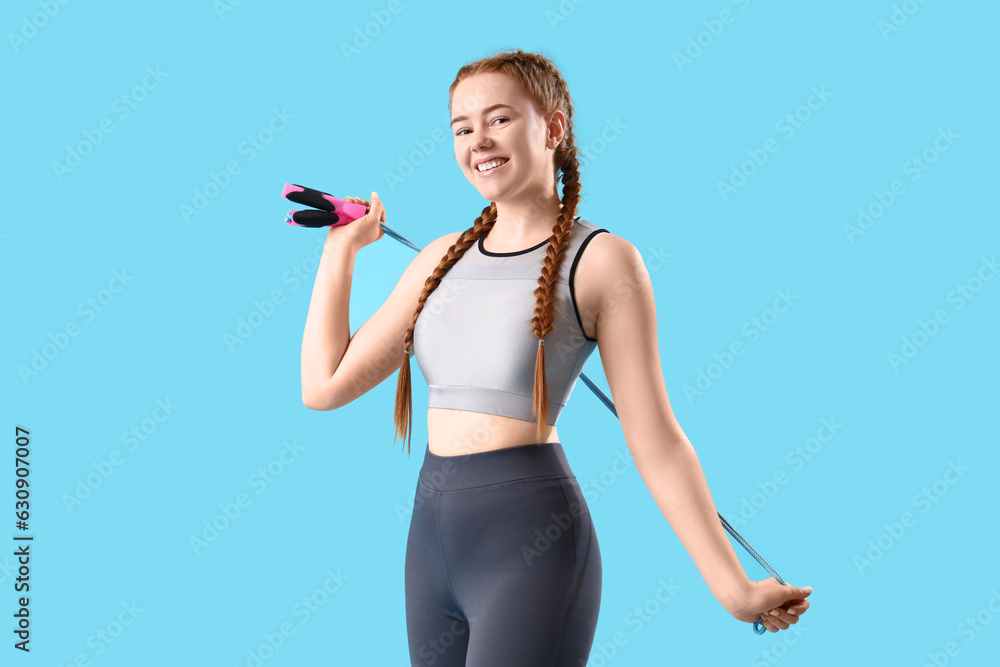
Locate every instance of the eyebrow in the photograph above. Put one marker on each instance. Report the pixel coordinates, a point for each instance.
(485, 111)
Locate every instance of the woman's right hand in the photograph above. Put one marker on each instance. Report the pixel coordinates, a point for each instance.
(366, 229)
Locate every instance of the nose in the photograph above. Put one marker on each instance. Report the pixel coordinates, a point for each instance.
(483, 142)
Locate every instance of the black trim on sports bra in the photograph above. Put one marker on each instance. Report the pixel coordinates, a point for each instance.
(516, 252)
(572, 274)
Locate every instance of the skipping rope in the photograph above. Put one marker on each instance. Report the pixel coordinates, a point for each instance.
(329, 204)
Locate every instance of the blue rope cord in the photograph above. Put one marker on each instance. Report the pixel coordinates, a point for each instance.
(396, 235)
(758, 626)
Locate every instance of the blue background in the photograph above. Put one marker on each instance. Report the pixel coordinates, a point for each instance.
(361, 106)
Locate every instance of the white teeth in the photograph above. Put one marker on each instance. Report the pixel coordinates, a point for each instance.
(489, 165)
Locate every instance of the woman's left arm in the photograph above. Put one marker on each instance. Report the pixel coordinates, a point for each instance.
(664, 457)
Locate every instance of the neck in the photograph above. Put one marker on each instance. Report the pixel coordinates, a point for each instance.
(522, 221)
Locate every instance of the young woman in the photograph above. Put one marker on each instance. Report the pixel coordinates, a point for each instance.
(503, 565)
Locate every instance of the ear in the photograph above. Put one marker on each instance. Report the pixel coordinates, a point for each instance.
(556, 129)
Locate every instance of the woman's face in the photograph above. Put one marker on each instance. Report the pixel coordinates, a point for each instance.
(493, 117)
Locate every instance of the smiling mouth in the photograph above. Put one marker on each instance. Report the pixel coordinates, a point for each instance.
(487, 172)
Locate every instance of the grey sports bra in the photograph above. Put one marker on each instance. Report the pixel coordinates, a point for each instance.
(473, 339)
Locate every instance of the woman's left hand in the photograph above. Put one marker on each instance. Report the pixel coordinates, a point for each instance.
(778, 605)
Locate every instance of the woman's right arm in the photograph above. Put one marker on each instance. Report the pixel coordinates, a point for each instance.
(336, 366)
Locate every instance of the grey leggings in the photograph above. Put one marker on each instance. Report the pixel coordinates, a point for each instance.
(503, 566)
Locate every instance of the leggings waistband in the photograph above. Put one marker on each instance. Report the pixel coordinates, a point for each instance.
(466, 471)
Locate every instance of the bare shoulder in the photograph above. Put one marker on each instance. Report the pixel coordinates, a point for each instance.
(449, 239)
(609, 267)
(440, 245)
(608, 247)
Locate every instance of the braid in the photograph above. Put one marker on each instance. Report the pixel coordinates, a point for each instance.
(561, 234)
(543, 82)
(404, 390)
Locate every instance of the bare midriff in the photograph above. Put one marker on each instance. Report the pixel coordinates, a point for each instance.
(460, 432)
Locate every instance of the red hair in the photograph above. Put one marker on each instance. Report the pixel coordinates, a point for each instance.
(545, 85)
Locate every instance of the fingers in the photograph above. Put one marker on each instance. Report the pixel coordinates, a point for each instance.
(375, 198)
(781, 618)
(378, 202)
(773, 623)
(776, 620)
(798, 606)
